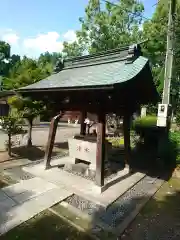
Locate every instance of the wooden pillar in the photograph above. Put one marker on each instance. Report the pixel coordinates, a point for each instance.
(83, 125)
(100, 152)
(51, 138)
(127, 143)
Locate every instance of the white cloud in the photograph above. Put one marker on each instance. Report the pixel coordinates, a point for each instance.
(70, 36)
(44, 42)
(35, 45)
(9, 36)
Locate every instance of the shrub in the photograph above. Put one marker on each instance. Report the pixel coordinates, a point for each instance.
(147, 129)
(178, 119)
(148, 121)
(175, 140)
(10, 125)
(168, 149)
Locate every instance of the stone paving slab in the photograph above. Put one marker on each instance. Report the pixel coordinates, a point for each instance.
(85, 187)
(20, 198)
(118, 189)
(3, 196)
(25, 204)
(32, 186)
(14, 163)
(7, 204)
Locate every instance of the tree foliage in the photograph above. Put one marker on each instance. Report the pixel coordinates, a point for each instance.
(25, 72)
(48, 58)
(4, 58)
(103, 27)
(72, 50)
(28, 109)
(111, 26)
(10, 125)
(155, 49)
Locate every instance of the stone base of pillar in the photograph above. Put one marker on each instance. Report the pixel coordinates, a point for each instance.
(128, 168)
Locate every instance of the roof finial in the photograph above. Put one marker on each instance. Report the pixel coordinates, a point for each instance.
(133, 53)
(59, 65)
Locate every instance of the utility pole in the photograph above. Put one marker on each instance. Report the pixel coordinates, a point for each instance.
(164, 109)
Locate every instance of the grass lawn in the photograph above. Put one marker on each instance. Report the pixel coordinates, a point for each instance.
(46, 226)
(160, 218)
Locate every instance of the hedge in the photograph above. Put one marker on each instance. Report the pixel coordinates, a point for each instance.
(146, 128)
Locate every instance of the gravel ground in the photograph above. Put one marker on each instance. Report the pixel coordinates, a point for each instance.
(83, 204)
(17, 174)
(92, 178)
(121, 208)
(124, 205)
(79, 174)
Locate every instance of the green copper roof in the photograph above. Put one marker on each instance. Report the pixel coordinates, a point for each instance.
(104, 69)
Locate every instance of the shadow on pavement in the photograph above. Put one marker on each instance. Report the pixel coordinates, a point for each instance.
(31, 153)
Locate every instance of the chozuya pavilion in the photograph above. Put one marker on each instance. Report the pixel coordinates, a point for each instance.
(116, 81)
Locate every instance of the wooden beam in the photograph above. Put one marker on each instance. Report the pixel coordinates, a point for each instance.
(127, 143)
(51, 138)
(83, 125)
(100, 152)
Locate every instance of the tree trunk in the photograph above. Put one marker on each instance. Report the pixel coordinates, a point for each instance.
(29, 141)
(9, 144)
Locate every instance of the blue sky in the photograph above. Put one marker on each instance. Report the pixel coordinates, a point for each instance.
(35, 26)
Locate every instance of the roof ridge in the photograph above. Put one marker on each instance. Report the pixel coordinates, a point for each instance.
(109, 51)
(127, 53)
(80, 65)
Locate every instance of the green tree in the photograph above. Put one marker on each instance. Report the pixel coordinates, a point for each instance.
(25, 72)
(10, 125)
(49, 58)
(27, 109)
(110, 27)
(22, 73)
(6, 60)
(4, 56)
(72, 50)
(155, 49)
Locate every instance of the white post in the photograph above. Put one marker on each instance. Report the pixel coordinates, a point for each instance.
(143, 111)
